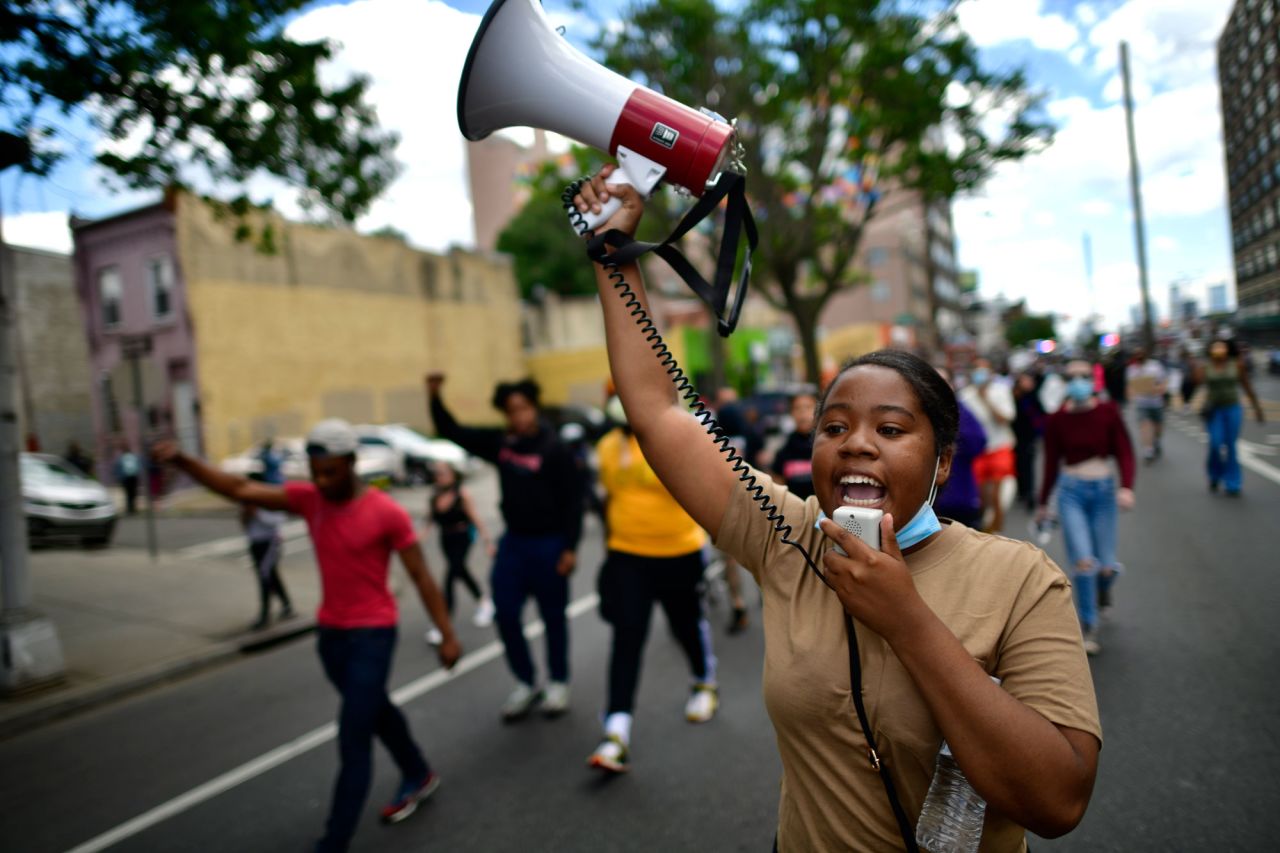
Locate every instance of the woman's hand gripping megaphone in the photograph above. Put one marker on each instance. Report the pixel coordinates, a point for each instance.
(634, 169)
(610, 202)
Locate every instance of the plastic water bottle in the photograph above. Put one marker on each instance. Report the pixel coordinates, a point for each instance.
(951, 820)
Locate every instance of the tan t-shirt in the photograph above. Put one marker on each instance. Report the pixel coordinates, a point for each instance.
(1005, 600)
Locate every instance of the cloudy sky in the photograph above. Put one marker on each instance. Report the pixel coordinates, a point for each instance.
(1024, 232)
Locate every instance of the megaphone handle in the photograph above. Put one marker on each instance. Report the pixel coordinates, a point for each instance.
(608, 209)
(634, 169)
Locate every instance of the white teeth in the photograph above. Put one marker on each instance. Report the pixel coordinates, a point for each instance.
(860, 480)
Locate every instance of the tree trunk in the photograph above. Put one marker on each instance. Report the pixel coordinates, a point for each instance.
(806, 317)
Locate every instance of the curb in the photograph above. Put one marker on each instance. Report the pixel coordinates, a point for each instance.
(65, 702)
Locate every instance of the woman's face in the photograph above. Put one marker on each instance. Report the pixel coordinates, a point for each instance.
(1218, 351)
(522, 414)
(444, 475)
(874, 446)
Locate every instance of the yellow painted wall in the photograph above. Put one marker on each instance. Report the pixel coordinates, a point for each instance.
(846, 342)
(336, 324)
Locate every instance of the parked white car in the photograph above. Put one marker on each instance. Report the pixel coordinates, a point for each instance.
(58, 500)
(373, 461)
(417, 453)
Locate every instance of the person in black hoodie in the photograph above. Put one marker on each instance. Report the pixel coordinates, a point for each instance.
(542, 511)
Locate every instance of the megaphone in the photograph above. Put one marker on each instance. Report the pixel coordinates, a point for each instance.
(520, 72)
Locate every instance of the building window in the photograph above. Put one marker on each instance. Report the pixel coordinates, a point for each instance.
(877, 256)
(160, 287)
(110, 296)
(879, 291)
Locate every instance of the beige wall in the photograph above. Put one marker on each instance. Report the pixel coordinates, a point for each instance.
(335, 324)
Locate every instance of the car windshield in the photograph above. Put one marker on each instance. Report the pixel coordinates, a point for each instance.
(49, 472)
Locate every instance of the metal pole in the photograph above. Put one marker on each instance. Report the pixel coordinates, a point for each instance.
(144, 453)
(15, 584)
(30, 652)
(1135, 193)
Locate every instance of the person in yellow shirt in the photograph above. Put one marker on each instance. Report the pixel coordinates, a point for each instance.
(655, 554)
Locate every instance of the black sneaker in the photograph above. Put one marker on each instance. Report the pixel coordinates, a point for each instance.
(738, 621)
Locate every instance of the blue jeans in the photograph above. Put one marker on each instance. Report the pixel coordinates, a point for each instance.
(1223, 425)
(526, 565)
(358, 661)
(1087, 510)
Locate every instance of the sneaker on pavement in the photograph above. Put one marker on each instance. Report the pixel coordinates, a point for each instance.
(738, 621)
(611, 755)
(484, 613)
(434, 637)
(1091, 645)
(702, 703)
(556, 699)
(408, 797)
(520, 702)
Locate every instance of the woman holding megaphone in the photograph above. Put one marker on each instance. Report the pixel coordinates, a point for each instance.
(935, 616)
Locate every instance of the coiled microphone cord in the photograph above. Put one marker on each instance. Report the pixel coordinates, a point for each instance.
(684, 388)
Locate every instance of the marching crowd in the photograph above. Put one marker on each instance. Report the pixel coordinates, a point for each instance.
(976, 643)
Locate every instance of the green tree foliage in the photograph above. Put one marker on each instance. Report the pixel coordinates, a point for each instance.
(545, 250)
(1029, 327)
(211, 87)
(829, 93)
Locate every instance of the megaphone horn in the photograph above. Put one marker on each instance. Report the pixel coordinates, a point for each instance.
(520, 72)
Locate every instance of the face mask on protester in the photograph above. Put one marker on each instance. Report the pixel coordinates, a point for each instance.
(980, 375)
(923, 525)
(1080, 389)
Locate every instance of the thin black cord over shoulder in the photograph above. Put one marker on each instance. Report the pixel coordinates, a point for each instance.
(685, 388)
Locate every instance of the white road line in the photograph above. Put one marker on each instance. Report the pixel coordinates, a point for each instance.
(309, 741)
(1257, 466)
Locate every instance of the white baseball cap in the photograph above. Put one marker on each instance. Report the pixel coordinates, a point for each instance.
(332, 437)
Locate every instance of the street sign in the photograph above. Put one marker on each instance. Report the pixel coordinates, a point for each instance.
(135, 346)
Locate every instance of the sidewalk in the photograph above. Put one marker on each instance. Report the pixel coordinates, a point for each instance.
(126, 623)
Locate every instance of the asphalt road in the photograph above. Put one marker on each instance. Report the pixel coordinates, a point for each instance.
(1186, 682)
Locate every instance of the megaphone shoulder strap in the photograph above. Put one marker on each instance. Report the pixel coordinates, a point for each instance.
(738, 221)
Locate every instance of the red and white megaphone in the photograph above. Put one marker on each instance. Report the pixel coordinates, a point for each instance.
(521, 72)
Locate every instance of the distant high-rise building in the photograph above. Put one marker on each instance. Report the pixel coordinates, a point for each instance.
(1249, 77)
(1218, 298)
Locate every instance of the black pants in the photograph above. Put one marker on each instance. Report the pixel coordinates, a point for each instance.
(629, 585)
(130, 494)
(1024, 454)
(266, 562)
(357, 661)
(455, 546)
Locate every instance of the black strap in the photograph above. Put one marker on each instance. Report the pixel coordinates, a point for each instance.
(855, 681)
(738, 219)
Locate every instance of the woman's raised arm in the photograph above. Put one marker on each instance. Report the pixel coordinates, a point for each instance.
(674, 442)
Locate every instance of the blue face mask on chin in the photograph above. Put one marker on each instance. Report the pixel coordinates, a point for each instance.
(925, 523)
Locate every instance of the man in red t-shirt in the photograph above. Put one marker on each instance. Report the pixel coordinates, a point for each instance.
(354, 529)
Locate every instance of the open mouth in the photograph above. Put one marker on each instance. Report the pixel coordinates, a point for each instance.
(861, 490)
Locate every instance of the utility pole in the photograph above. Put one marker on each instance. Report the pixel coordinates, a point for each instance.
(30, 653)
(134, 349)
(1135, 193)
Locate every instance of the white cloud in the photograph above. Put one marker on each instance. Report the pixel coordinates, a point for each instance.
(1023, 233)
(45, 230)
(1171, 42)
(992, 22)
(413, 52)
